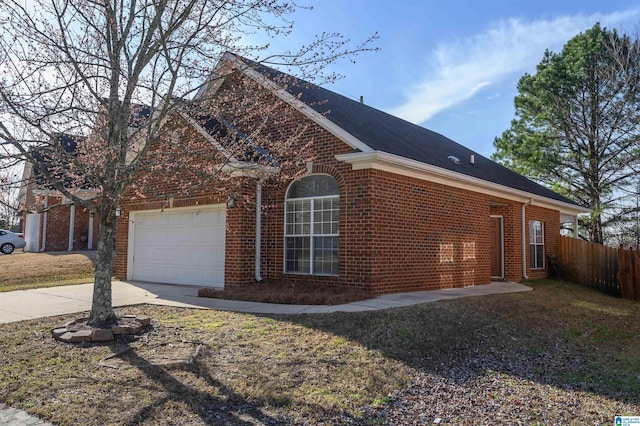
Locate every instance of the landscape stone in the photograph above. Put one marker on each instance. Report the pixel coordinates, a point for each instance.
(81, 336)
(143, 320)
(66, 337)
(102, 335)
(57, 332)
(77, 330)
(125, 329)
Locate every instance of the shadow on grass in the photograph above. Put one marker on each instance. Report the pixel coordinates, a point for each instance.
(227, 408)
(560, 334)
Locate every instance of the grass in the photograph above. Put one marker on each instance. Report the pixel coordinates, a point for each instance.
(21, 271)
(559, 343)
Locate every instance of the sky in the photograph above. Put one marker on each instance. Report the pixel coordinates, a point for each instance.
(451, 66)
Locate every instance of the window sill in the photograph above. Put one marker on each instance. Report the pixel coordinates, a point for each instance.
(311, 275)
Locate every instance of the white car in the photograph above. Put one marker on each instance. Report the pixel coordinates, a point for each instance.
(10, 241)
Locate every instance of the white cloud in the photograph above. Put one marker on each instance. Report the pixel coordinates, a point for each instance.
(459, 69)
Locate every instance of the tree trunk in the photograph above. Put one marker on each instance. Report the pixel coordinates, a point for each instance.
(596, 234)
(101, 308)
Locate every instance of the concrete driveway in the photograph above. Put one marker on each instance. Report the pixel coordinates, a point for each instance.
(44, 302)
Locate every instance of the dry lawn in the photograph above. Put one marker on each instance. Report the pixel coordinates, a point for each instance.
(561, 354)
(35, 270)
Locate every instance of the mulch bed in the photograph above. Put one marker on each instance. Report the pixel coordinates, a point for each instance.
(289, 294)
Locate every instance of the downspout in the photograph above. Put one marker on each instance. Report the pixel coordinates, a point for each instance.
(259, 182)
(44, 222)
(524, 243)
(90, 234)
(72, 221)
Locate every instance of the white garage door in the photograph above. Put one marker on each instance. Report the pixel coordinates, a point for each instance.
(180, 246)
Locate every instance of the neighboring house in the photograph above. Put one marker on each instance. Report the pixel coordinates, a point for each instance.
(385, 205)
(50, 221)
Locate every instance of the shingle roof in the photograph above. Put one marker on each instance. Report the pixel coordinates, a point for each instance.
(225, 133)
(43, 161)
(393, 135)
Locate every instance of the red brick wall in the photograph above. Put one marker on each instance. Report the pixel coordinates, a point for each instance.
(427, 235)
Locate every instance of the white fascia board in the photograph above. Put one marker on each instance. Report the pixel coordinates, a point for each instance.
(247, 169)
(217, 76)
(305, 109)
(406, 167)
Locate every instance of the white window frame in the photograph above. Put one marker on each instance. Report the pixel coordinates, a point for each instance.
(534, 243)
(310, 236)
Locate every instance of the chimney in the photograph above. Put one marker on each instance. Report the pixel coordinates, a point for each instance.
(362, 99)
(472, 160)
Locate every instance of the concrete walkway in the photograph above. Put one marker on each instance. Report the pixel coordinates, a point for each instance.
(38, 303)
(45, 302)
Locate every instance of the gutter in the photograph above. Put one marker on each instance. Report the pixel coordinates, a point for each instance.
(44, 222)
(72, 224)
(524, 243)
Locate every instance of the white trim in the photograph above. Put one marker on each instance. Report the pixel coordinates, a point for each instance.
(544, 263)
(311, 234)
(524, 239)
(132, 228)
(501, 245)
(379, 160)
(305, 109)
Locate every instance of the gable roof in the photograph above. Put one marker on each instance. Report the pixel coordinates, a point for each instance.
(386, 133)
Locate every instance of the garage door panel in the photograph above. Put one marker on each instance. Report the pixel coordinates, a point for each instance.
(181, 247)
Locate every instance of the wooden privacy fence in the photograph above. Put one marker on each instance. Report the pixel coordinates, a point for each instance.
(614, 271)
(629, 274)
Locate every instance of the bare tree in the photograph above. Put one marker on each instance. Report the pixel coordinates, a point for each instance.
(113, 73)
(9, 203)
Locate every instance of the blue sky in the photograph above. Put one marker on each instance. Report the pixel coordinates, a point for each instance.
(451, 66)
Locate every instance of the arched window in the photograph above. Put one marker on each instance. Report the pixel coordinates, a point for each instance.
(311, 226)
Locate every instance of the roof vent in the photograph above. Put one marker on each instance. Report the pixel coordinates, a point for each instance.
(472, 160)
(361, 99)
(454, 160)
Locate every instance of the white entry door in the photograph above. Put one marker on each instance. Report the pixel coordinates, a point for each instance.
(179, 246)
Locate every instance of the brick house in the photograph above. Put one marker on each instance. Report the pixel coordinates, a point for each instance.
(50, 221)
(385, 205)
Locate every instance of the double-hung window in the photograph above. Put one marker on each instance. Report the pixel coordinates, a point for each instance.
(536, 244)
(311, 226)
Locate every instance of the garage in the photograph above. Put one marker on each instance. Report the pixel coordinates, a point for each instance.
(178, 246)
